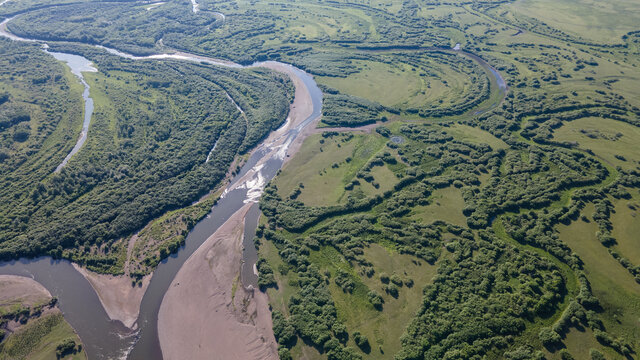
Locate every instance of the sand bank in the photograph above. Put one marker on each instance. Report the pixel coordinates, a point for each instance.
(207, 313)
(19, 289)
(119, 298)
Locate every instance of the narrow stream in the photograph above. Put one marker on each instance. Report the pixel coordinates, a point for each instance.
(106, 339)
(195, 6)
(78, 65)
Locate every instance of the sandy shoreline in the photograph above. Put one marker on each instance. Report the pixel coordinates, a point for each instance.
(22, 288)
(119, 299)
(207, 314)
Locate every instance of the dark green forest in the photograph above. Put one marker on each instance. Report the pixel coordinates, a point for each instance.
(153, 127)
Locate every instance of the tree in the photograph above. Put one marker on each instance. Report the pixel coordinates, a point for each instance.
(549, 337)
(596, 355)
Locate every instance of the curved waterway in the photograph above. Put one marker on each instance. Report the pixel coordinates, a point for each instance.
(78, 65)
(106, 339)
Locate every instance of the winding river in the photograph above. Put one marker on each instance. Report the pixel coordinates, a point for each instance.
(78, 65)
(106, 339)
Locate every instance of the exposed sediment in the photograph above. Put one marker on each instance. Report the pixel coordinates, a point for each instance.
(120, 299)
(207, 313)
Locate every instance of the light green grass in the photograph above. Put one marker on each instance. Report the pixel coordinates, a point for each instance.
(400, 83)
(384, 177)
(603, 145)
(446, 205)
(324, 184)
(626, 227)
(601, 21)
(475, 135)
(385, 328)
(579, 343)
(395, 83)
(382, 328)
(612, 284)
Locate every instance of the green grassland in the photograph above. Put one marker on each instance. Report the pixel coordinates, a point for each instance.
(626, 227)
(612, 284)
(602, 22)
(405, 84)
(446, 205)
(475, 135)
(322, 167)
(614, 141)
(384, 328)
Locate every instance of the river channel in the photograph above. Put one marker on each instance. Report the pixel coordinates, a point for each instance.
(106, 339)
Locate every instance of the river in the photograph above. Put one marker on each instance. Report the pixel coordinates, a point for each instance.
(106, 339)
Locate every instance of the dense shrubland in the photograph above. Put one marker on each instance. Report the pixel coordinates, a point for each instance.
(153, 127)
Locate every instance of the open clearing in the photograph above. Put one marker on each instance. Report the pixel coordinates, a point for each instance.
(601, 21)
(382, 328)
(446, 205)
(606, 138)
(626, 227)
(612, 284)
(321, 166)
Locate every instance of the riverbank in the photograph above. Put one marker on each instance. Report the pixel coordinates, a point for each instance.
(118, 297)
(206, 310)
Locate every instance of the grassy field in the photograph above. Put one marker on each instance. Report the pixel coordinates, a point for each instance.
(39, 338)
(427, 81)
(612, 284)
(614, 141)
(321, 166)
(595, 20)
(382, 328)
(400, 83)
(579, 343)
(476, 136)
(626, 227)
(446, 205)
